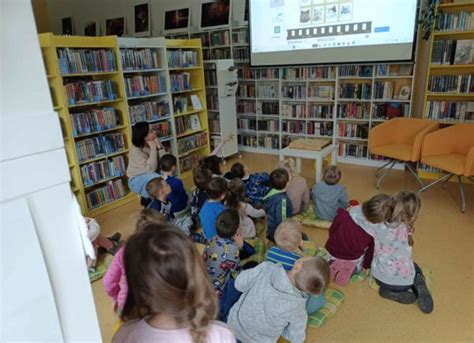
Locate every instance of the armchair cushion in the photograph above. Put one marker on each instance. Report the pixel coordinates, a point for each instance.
(397, 151)
(452, 163)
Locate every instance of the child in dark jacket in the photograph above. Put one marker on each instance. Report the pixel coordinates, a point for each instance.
(178, 195)
(276, 203)
(199, 196)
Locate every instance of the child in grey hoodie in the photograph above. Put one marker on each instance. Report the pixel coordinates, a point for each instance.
(273, 301)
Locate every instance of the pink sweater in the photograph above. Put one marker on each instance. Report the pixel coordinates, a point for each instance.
(298, 192)
(115, 282)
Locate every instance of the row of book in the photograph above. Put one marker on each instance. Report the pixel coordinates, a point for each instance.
(356, 70)
(203, 36)
(320, 111)
(149, 111)
(450, 111)
(183, 124)
(212, 102)
(449, 52)
(180, 104)
(297, 127)
(353, 110)
(353, 130)
(267, 73)
(308, 73)
(246, 90)
(451, 83)
(180, 82)
(94, 120)
(352, 150)
(139, 59)
(294, 92)
(90, 91)
(219, 38)
(221, 54)
(206, 54)
(182, 58)
(268, 142)
(246, 106)
(245, 140)
(240, 37)
(268, 108)
(246, 73)
(192, 142)
(214, 125)
(99, 146)
(267, 90)
(454, 21)
(113, 191)
(210, 77)
(390, 110)
(293, 110)
(162, 129)
(75, 61)
(187, 163)
(247, 124)
(360, 91)
(268, 125)
(95, 172)
(241, 53)
(384, 89)
(145, 85)
(320, 128)
(429, 169)
(320, 92)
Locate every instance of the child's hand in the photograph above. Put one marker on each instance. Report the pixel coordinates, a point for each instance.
(239, 239)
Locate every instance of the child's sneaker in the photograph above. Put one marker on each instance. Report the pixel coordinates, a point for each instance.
(425, 300)
(400, 297)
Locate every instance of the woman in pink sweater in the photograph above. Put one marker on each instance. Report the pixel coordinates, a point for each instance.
(115, 282)
(297, 188)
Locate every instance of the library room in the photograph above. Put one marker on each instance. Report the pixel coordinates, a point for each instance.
(204, 170)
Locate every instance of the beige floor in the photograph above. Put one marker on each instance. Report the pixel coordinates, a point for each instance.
(443, 241)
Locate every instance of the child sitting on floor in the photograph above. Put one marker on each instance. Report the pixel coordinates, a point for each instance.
(170, 298)
(297, 189)
(273, 302)
(277, 204)
(199, 196)
(399, 278)
(287, 251)
(159, 191)
(178, 195)
(328, 195)
(216, 190)
(238, 170)
(115, 282)
(221, 256)
(236, 200)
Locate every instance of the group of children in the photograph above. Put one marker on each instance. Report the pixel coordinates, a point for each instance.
(160, 285)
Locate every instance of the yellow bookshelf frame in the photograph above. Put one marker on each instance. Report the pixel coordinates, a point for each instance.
(457, 69)
(49, 45)
(199, 88)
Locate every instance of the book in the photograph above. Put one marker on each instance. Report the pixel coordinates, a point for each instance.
(196, 102)
(464, 52)
(195, 122)
(404, 93)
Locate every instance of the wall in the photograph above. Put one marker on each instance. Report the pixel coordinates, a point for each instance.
(99, 10)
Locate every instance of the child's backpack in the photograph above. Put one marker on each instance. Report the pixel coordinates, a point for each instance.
(257, 187)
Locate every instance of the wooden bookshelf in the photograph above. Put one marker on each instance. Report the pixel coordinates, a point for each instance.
(434, 99)
(138, 100)
(189, 157)
(92, 198)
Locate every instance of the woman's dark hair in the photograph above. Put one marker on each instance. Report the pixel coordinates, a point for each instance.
(200, 177)
(139, 132)
(238, 170)
(212, 163)
(166, 274)
(227, 223)
(236, 193)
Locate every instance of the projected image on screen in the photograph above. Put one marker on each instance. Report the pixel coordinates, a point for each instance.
(215, 13)
(331, 31)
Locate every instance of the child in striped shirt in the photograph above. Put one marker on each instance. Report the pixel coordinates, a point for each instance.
(288, 249)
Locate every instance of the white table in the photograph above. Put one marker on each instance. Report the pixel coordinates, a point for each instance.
(318, 156)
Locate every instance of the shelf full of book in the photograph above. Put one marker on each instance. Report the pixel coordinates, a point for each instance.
(147, 86)
(188, 102)
(281, 104)
(449, 93)
(88, 93)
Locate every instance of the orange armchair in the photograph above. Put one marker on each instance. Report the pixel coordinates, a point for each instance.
(452, 150)
(399, 140)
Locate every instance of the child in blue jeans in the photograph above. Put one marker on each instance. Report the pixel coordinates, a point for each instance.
(287, 251)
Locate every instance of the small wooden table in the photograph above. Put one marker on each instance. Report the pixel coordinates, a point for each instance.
(318, 156)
